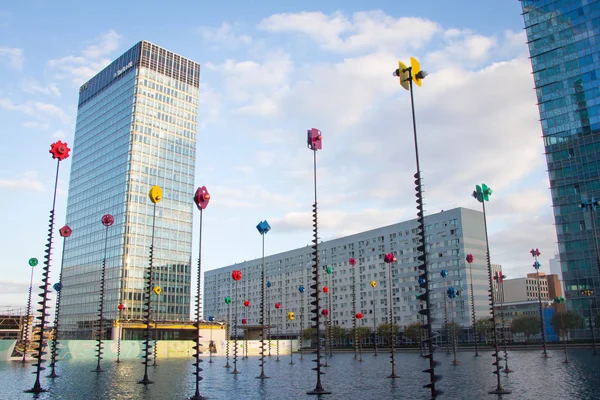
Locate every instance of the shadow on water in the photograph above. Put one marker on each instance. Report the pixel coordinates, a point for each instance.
(534, 378)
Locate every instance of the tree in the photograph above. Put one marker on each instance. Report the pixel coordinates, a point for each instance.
(363, 332)
(308, 333)
(452, 328)
(383, 331)
(483, 326)
(413, 331)
(526, 324)
(338, 333)
(563, 321)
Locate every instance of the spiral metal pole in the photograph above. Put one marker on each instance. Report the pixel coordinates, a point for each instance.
(315, 287)
(374, 321)
(301, 327)
(100, 337)
(330, 316)
(235, 324)
(499, 389)
(198, 346)
(227, 335)
(446, 327)
(392, 375)
(424, 271)
(541, 311)
(27, 322)
(354, 312)
(54, 343)
(326, 323)
(37, 387)
(262, 314)
(120, 334)
(246, 333)
(155, 356)
(474, 319)
(148, 306)
(506, 370)
(455, 361)
(360, 343)
(277, 344)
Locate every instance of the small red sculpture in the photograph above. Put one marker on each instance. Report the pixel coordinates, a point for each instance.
(352, 261)
(246, 303)
(244, 321)
(65, 231)
(535, 252)
(59, 150)
(278, 305)
(325, 312)
(470, 258)
(121, 307)
(201, 198)
(236, 275)
(389, 258)
(359, 315)
(325, 289)
(107, 220)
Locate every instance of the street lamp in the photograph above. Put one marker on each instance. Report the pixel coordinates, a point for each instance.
(201, 199)
(535, 253)
(314, 143)
(470, 260)
(389, 259)
(589, 294)
(107, 221)
(482, 194)
(407, 75)
(60, 152)
(263, 228)
(373, 286)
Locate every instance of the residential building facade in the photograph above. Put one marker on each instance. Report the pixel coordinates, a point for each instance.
(136, 128)
(563, 38)
(450, 235)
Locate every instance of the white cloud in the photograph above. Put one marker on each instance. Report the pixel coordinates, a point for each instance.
(43, 111)
(225, 35)
(80, 69)
(31, 85)
(28, 182)
(364, 31)
(14, 55)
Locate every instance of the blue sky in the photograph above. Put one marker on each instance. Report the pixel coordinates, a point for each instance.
(269, 72)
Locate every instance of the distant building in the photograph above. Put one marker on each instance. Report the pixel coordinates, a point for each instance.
(512, 310)
(450, 236)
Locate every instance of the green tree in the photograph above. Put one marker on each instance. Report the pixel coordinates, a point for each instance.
(452, 327)
(308, 333)
(338, 333)
(413, 331)
(363, 332)
(383, 331)
(526, 324)
(563, 321)
(483, 326)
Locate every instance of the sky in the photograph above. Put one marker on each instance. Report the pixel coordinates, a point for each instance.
(269, 72)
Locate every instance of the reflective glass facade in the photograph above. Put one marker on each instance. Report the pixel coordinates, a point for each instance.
(564, 44)
(136, 127)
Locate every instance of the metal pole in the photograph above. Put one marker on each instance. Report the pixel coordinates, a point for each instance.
(542, 327)
(374, 320)
(262, 314)
(235, 324)
(392, 333)
(27, 322)
(148, 296)
(503, 324)
(473, 312)
(455, 361)
(101, 306)
(354, 311)
(446, 326)
(198, 346)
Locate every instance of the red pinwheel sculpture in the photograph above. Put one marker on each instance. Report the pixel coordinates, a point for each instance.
(59, 150)
(389, 258)
(121, 307)
(107, 220)
(65, 231)
(359, 315)
(246, 303)
(201, 198)
(352, 261)
(470, 258)
(236, 275)
(535, 253)
(325, 312)
(244, 321)
(278, 305)
(325, 289)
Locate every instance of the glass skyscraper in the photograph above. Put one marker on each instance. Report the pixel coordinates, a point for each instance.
(564, 44)
(136, 127)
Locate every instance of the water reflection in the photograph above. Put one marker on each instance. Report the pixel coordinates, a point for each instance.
(534, 378)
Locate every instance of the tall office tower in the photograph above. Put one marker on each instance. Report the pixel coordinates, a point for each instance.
(451, 235)
(136, 127)
(564, 44)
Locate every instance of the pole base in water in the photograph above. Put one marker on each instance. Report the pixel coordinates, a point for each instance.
(499, 391)
(393, 376)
